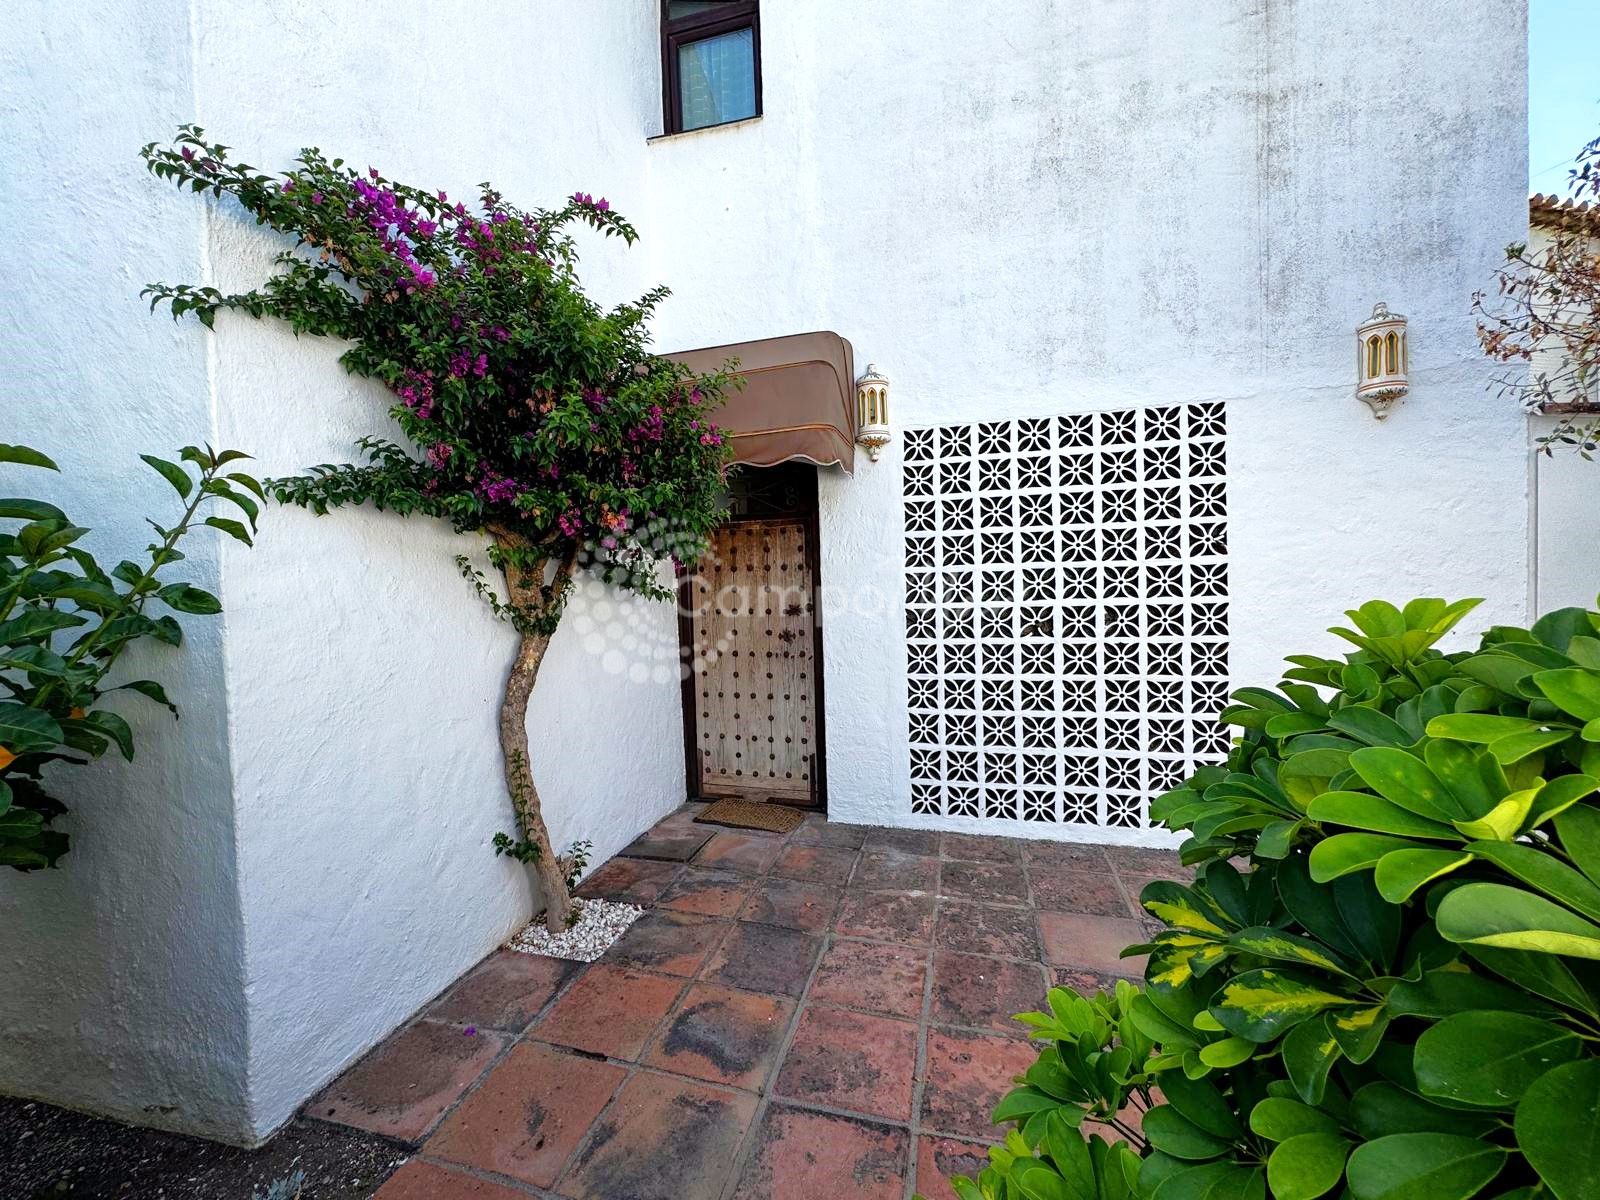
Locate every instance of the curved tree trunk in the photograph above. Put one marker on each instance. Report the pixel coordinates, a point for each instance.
(518, 767)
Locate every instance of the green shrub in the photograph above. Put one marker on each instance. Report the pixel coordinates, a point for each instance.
(1381, 982)
(64, 622)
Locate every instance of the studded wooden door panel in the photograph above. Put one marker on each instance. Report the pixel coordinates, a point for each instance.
(755, 664)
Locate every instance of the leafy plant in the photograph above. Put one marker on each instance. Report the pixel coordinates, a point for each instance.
(65, 621)
(1398, 999)
(536, 418)
(290, 1187)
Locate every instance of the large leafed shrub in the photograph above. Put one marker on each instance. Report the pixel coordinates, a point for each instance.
(1382, 981)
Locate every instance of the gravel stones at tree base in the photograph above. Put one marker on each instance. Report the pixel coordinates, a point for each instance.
(599, 923)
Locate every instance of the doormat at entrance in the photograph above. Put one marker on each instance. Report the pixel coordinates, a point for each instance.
(746, 814)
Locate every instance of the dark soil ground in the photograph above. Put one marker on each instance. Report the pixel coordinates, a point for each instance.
(51, 1154)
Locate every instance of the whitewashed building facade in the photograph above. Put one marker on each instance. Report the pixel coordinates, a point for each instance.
(1111, 256)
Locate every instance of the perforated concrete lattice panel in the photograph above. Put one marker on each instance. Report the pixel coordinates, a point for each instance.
(1066, 612)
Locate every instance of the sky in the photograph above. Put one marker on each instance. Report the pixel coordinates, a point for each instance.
(1563, 87)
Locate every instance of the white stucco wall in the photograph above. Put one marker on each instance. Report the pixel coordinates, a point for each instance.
(1054, 209)
(1059, 208)
(122, 973)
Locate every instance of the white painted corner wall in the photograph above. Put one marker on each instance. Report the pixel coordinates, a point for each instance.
(1051, 210)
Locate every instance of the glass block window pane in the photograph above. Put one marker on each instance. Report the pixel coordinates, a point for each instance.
(717, 77)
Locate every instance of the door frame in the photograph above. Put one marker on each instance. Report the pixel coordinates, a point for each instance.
(808, 514)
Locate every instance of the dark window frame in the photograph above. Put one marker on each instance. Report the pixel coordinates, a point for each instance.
(745, 14)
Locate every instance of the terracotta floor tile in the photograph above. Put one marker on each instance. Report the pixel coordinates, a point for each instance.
(1076, 940)
(939, 1159)
(663, 1138)
(1141, 860)
(1086, 983)
(722, 1036)
(402, 1087)
(815, 864)
(1076, 890)
(505, 991)
(670, 942)
(610, 1010)
(967, 1075)
(969, 989)
(764, 958)
(1064, 854)
(707, 893)
(792, 904)
(980, 848)
(811, 1156)
(852, 1061)
(887, 917)
(999, 883)
(923, 842)
(419, 1180)
(629, 880)
(528, 1115)
(895, 870)
(819, 832)
(973, 928)
(872, 976)
(751, 853)
(669, 843)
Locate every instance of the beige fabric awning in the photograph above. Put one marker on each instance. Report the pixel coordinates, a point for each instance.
(798, 399)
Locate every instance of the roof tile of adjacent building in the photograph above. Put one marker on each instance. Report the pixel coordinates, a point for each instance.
(1552, 212)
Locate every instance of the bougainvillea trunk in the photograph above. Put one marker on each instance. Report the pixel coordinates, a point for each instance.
(514, 748)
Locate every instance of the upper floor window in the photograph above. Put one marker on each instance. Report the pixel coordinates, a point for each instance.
(710, 62)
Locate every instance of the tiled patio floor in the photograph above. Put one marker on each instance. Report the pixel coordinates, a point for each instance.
(824, 1014)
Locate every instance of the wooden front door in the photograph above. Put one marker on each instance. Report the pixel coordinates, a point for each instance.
(755, 668)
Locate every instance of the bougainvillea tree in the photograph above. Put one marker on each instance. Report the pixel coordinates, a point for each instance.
(535, 417)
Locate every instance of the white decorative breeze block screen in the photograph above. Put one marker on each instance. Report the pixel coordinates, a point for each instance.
(1066, 612)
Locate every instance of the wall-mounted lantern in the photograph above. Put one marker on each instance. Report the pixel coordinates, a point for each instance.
(872, 411)
(1383, 360)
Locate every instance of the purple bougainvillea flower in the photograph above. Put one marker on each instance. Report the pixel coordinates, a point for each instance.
(602, 204)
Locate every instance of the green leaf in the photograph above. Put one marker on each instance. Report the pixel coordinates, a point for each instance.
(1363, 811)
(1517, 746)
(1406, 780)
(1539, 974)
(1022, 1102)
(30, 510)
(1423, 1166)
(1472, 775)
(26, 456)
(1306, 1166)
(114, 727)
(1171, 1133)
(1278, 1119)
(232, 528)
(1267, 942)
(1489, 1059)
(1560, 794)
(1259, 1005)
(1401, 872)
(1309, 1052)
(1359, 1031)
(26, 730)
(187, 598)
(1382, 1108)
(1573, 690)
(172, 473)
(1558, 1129)
(1344, 853)
(1481, 728)
(1229, 1052)
(1579, 831)
(1540, 869)
(37, 624)
(1369, 726)
(1451, 990)
(150, 689)
(1200, 1103)
(1508, 918)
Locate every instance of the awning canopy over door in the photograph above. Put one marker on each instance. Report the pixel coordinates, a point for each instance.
(798, 399)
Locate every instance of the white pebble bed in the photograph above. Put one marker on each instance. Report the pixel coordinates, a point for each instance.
(600, 922)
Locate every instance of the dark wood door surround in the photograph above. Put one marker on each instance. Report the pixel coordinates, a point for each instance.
(751, 633)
